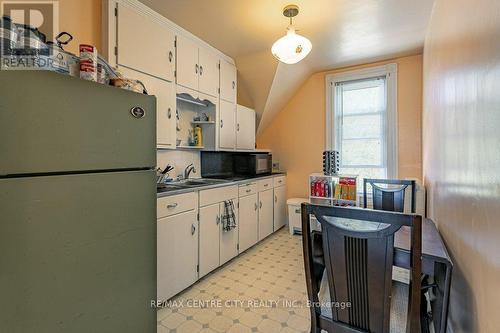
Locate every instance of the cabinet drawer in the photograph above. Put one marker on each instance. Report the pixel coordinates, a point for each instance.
(219, 194)
(279, 181)
(247, 189)
(176, 204)
(265, 184)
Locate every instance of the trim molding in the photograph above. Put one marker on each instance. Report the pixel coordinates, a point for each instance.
(390, 71)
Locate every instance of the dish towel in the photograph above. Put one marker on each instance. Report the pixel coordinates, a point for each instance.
(228, 217)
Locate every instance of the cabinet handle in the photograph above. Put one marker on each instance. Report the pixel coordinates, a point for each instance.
(249, 190)
(260, 205)
(297, 211)
(256, 206)
(193, 229)
(169, 113)
(221, 123)
(217, 220)
(275, 198)
(196, 68)
(238, 127)
(265, 185)
(234, 84)
(170, 56)
(172, 206)
(201, 70)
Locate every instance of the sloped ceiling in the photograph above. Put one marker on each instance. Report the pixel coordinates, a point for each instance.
(342, 32)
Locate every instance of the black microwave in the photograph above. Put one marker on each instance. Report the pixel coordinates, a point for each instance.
(253, 164)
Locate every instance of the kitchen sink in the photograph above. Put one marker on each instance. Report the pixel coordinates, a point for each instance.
(188, 183)
(200, 182)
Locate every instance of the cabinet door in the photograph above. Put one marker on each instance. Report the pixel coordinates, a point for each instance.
(265, 213)
(209, 238)
(248, 221)
(144, 44)
(209, 72)
(228, 84)
(165, 106)
(279, 207)
(187, 63)
(177, 253)
(245, 128)
(227, 130)
(229, 239)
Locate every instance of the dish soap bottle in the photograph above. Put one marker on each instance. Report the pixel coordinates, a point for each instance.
(198, 137)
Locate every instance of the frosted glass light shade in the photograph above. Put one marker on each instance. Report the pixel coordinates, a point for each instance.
(291, 48)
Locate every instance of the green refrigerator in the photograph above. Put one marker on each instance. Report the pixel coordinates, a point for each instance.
(77, 206)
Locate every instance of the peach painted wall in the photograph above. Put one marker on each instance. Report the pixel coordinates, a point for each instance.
(297, 134)
(82, 19)
(461, 153)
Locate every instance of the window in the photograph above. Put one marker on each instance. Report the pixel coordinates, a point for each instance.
(361, 121)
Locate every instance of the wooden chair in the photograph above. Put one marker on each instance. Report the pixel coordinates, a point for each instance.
(390, 199)
(358, 247)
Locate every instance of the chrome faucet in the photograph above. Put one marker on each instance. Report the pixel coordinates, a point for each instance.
(187, 171)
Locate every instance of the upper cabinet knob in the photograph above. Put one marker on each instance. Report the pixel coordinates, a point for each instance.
(170, 56)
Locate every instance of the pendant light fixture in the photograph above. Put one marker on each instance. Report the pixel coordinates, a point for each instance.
(292, 47)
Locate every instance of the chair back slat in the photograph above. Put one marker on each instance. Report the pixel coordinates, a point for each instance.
(358, 263)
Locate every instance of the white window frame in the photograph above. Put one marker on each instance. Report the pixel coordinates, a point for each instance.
(390, 72)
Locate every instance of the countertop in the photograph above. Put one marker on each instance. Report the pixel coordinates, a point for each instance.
(228, 182)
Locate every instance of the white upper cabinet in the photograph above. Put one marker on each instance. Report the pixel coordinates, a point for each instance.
(187, 63)
(197, 67)
(165, 106)
(228, 81)
(227, 125)
(209, 72)
(245, 128)
(144, 44)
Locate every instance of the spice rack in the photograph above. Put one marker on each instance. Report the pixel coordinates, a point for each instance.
(338, 190)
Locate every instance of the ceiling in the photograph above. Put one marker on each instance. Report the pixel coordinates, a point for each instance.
(342, 32)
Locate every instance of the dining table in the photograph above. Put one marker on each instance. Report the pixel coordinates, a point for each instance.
(436, 263)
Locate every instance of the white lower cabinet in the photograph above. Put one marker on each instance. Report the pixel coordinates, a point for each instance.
(266, 213)
(191, 241)
(229, 239)
(177, 253)
(279, 207)
(216, 245)
(209, 238)
(248, 221)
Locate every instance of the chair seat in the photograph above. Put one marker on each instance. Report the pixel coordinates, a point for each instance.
(399, 303)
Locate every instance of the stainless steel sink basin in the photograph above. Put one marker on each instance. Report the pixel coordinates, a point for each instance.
(188, 183)
(199, 182)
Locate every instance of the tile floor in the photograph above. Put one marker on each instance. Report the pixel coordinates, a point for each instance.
(262, 290)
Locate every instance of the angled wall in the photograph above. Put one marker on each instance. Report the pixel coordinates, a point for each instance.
(296, 135)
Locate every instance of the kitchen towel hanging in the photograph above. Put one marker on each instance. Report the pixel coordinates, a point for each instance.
(228, 217)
